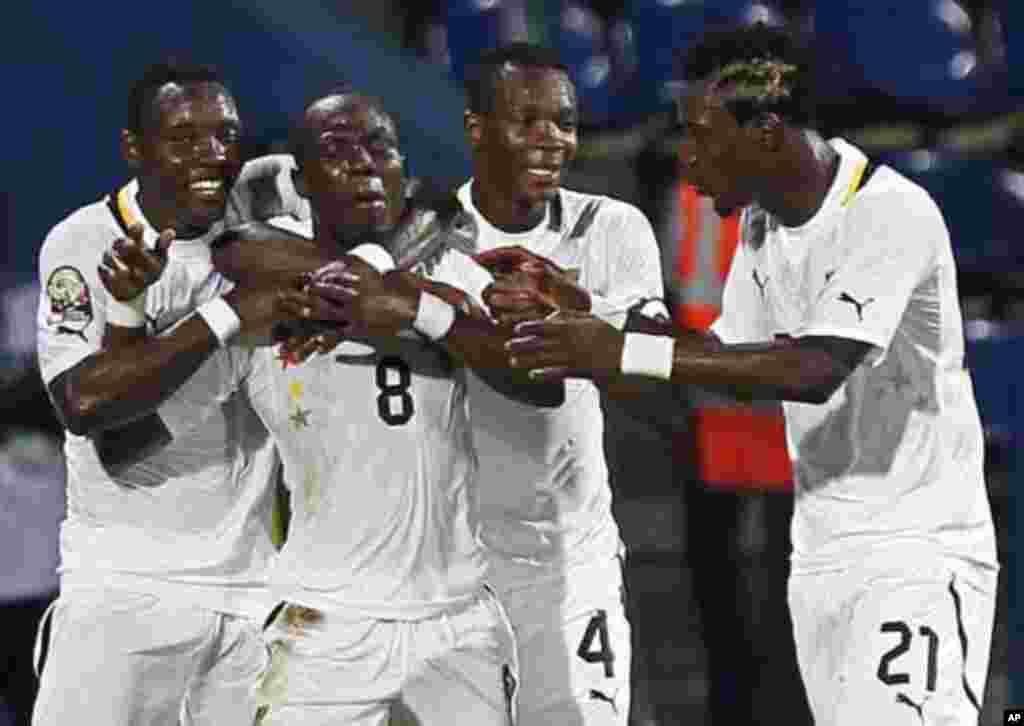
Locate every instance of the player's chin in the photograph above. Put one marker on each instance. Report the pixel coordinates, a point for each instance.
(203, 215)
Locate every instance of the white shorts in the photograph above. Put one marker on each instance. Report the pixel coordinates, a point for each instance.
(117, 657)
(450, 669)
(901, 647)
(574, 649)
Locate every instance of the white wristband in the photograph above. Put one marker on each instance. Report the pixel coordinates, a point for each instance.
(131, 314)
(375, 256)
(648, 355)
(434, 317)
(222, 319)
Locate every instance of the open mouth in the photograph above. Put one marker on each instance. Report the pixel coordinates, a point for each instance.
(208, 188)
(542, 174)
(370, 199)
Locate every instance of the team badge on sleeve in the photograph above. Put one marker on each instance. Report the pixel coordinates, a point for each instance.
(70, 302)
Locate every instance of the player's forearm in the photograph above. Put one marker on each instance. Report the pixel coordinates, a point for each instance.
(479, 344)
(255, 254)
(784, 371)
(635, 392)
(121, 384)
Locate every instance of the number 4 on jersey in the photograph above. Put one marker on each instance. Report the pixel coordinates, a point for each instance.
(597, 628)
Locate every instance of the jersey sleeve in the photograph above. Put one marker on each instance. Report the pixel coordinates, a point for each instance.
(742, 316)
(636, 271)
(72, 311)
(264, 189)
(889, 247)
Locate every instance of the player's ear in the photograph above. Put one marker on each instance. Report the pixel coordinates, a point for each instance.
(131, 147)
(473, 123)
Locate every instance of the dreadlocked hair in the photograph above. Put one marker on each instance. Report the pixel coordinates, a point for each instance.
(759, 69)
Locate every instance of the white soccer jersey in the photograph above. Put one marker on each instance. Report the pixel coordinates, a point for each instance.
(544, 491)
(378, 456)
(193, 519)
(895, 455)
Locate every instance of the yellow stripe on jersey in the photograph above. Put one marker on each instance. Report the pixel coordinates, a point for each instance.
(124, 206)
(854, 184)
(295, 390)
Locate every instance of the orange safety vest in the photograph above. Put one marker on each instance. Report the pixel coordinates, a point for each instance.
(736, 446)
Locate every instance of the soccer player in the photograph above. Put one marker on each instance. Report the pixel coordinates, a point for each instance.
(163, 556)
(383, 571)
(842, 303)
(555, 549)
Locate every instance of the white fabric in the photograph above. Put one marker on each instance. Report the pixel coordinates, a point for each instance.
(846, 622)
(378, 455)
(544, 492)
(552, 618)
(221, 318)
(375, 256)
(122, 657)
(434, 317)
(265, 189)
(648, 355)
(450, 668)
(193, 518)
(131, 314)
(894, 458)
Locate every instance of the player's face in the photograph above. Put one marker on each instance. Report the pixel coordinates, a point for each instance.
(354, 175)
(712, 152)
(190, 151)
(523, 145)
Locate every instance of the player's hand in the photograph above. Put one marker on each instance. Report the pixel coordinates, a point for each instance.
(459, 299)
(567, 344)
(260, 254)
(528, 286)
(299, 346)
(354, 297)
(128, 268)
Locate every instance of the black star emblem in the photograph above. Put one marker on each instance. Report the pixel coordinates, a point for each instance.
(300, 417)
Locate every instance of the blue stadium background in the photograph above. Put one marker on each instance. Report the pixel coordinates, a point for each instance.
(932, 87)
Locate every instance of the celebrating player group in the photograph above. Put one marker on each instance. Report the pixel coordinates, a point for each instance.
(424, 371)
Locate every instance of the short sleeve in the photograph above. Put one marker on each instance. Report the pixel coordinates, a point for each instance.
(264, 189)
(636, 273)
(72, 302)
(890, 244)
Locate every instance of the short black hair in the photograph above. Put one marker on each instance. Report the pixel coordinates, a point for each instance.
(721, 47)
(483, 77)
(300, 142)
(158, 75)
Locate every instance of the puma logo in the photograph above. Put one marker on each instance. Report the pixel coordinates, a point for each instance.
(905, 700)
(848, 298)
(761, 283)
(597, 695)
(65, 330)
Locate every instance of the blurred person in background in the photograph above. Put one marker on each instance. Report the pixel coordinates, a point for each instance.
(842, 303)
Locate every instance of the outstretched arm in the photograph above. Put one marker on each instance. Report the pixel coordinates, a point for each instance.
(364, 304)
(132, 374)
(807, 369)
